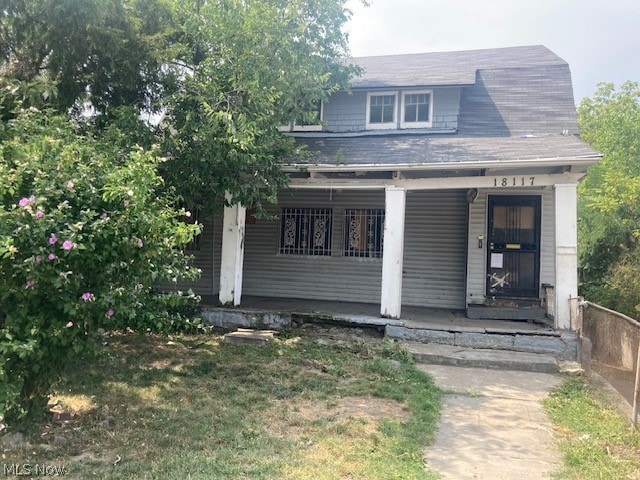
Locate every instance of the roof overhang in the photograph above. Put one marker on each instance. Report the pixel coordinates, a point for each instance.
(502, 164)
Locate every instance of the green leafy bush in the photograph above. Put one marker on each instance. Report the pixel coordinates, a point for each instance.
(85, 232)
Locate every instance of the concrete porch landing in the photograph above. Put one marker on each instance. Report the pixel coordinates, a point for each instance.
(418, 324)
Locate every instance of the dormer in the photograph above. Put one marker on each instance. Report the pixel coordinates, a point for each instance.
(467, 93)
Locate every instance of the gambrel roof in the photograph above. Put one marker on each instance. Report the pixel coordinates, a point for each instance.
(447, 68)
(515, 104)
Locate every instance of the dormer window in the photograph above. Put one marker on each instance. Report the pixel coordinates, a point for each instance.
(312, 122)
(416, 109)
(381, 110)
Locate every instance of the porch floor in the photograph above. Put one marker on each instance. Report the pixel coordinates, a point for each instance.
(368, 313)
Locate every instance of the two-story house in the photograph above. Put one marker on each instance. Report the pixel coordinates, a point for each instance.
(442, 180)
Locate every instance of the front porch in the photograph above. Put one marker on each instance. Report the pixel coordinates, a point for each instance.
(417, 324)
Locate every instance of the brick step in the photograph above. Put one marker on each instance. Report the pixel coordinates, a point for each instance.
(432, 353)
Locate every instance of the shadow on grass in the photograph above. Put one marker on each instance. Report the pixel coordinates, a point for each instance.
(192, 406)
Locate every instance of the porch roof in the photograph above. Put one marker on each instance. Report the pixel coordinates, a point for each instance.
(448, 150)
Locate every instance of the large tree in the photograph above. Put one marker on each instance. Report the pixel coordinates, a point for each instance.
(99, 96)
(219, 76)
(609, 198)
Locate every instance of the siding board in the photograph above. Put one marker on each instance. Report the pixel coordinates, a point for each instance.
(204, 260)
(434, 264)
(476, 267)
(435, 249)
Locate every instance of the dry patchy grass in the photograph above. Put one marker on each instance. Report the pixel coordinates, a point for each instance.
(319, 404)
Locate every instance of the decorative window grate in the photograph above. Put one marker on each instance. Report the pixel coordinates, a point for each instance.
(306, 231)
(363, 233)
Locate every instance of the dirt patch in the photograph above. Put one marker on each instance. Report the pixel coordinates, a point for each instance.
(296, 418)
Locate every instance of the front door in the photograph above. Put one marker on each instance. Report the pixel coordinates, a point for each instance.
(513, 257)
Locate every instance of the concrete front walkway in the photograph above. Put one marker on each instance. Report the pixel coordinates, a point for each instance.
(493, 425)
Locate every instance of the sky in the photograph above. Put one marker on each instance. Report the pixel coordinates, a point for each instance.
(599, 39)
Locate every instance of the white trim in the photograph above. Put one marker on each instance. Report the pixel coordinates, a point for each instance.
(371, 167)
(382, 126)
(539, 180)
(427, 124)
(393, 252)
(292, 127)
(232, 253)
(310, 128)
(566, 236)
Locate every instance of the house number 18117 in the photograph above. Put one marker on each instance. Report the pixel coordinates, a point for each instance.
(514, 181)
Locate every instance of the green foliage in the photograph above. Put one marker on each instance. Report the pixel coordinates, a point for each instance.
(594, 438)
(254, 65)
(221, 76)
(105, 52)
(84, 233)
(609, 199)
(198, 407)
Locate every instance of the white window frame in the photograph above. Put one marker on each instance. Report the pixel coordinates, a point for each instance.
(292, 127)
(382, 126)
(428, 124)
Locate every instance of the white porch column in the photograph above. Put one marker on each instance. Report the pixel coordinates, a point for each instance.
(566, 282)
(232, 253)
(393, 252)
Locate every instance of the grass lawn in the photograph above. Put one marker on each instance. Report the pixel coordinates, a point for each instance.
(594, 438)
(313, 405)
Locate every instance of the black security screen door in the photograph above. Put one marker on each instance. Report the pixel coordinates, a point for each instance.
(513, 257)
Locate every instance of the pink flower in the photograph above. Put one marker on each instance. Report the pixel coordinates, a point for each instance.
(140, 244)
(51, 256)
(68, 245)
(30, 283)
(126, 203)
(39, 214)
(87, 297)
(69, 324)
(69, 184)
(52, 239)
(38, 258)
(109, 313)
(103, 216)
(26, 201)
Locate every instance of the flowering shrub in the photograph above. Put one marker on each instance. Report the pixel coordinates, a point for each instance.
(85, 232)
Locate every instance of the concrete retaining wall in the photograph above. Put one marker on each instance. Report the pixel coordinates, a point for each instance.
(614, 336)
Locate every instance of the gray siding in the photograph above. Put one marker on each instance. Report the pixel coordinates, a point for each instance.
(434, 261)
(267, 273)
(476, 268)
(435, 249)
(204, 260)
(446, 107)
(347, 112)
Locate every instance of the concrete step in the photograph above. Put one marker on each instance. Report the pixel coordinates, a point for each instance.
(433, 353)
(562, 345)
(532, 313)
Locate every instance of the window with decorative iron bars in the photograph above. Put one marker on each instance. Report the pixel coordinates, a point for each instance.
(305, 231)
(363, 232)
